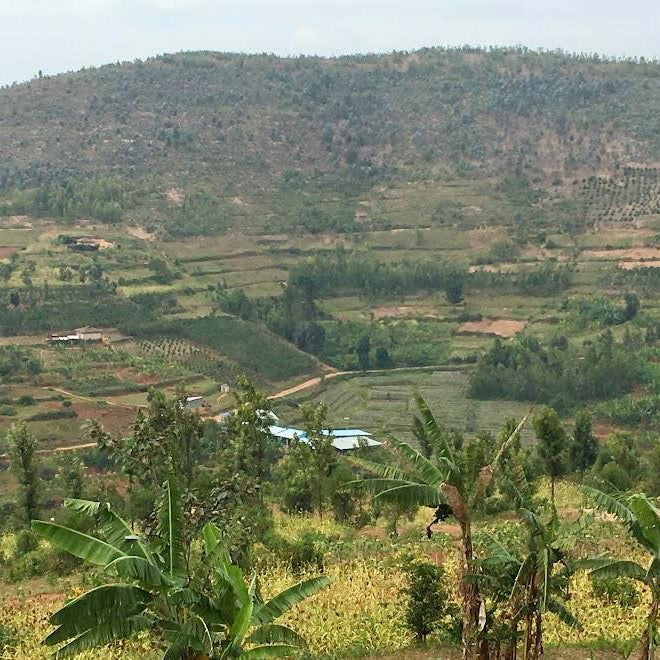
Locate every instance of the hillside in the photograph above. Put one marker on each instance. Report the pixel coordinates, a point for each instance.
(277, 217)
(209, 127)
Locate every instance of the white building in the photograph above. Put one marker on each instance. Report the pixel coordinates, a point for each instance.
(89, 333)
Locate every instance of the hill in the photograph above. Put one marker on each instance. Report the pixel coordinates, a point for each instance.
(170, 143)
(233, 213)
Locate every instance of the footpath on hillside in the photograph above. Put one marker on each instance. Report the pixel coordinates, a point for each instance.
(294, 389)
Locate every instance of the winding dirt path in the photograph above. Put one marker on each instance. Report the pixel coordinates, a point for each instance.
(305, 385)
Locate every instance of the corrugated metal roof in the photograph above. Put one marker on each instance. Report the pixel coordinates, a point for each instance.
(354, 442)
(342, 439)
(285, 433)
(345, 433)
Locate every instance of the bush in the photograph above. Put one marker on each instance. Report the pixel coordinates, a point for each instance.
(306, 553)
(49, 415)
(615, 591)
(26, 541)
(66, 403)
(428, 608)
(26, 400)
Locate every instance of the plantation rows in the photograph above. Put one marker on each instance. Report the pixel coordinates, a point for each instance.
(636, 193)
(195, 358)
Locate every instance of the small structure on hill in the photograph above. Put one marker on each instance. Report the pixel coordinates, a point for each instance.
(89, 333)
(194, 402)
(224, 388)
(342, 439)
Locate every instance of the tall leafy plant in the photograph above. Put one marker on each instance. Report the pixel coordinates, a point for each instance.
(642, 519)
(454, 484)
(207, 610)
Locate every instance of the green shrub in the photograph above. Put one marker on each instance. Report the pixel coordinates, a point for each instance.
(615, 591)
(306, 553)
(49, 415)
(26, 400)
(26, 541)
(428, 608)
(66, 403)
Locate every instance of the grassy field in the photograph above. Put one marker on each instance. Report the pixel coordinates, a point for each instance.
(383, 403)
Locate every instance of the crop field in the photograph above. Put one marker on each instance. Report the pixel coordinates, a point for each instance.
(362, 612)
(383, 403)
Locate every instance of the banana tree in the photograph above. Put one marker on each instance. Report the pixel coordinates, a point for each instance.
(209, 612)
(642, 519)
(525, 583)
(449, 483)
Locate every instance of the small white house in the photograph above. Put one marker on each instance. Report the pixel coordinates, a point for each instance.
(224, 388)
(89, 333)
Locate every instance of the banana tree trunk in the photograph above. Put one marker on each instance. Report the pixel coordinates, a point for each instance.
(469, 589)
(650, 632)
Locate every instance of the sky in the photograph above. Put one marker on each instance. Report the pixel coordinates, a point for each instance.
(63, 35)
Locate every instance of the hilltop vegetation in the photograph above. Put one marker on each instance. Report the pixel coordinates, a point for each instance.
(106, 143)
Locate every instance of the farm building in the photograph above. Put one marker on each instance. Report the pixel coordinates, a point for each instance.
(342, 439)
(64, 339)
(89, 333)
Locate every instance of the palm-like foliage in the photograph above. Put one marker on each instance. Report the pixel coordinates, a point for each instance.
(446, 480)
(642, 519)
(526, 584)
(208, 612)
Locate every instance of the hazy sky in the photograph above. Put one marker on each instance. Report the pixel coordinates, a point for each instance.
(61, 35)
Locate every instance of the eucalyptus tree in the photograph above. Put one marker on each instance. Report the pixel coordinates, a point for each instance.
(453, 483)
(642, 519)
(25, 466)
(206, 610)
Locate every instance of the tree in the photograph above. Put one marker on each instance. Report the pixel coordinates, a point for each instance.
(552, 445)
(454, 287)
(642, 519)
(163, 443)
(427, 600)
(71, 475)
(584, 446)
(249, 440)
(632, 305)
(362, 350)
(619, 465)
(383, 359)
(323, 455)
(452, 483)
(207, 609)
(22, 448)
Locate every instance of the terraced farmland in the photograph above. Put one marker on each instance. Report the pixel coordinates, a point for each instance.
(383, 403)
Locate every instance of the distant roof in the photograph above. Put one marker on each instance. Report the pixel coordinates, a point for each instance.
(344, 433)
(193, 398)
(354, 442)
(285, 433)
(342, 440)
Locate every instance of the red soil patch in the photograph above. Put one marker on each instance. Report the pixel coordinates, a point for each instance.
(632, 265)
(496, 327)
(399, 312)
(7, 251)
(636, 254)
